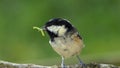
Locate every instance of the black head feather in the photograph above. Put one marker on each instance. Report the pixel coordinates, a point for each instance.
(59, 22)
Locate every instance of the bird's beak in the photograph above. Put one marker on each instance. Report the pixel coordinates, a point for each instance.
(43, 28)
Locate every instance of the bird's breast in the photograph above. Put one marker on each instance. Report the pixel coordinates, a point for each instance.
(67, 46)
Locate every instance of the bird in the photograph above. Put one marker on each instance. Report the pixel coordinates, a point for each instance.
(64, 38)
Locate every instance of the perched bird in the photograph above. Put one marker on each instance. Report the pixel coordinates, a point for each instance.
(64, 38)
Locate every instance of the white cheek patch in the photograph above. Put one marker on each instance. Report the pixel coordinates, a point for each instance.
(54, 28)
(60, 30)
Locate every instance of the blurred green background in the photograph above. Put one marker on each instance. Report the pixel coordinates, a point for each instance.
(98, 21)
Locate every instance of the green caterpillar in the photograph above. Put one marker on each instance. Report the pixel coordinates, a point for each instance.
(39, 29)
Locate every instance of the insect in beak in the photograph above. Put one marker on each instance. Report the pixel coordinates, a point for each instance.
(42, 29)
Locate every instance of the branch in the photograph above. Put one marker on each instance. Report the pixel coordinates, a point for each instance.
(4, 64)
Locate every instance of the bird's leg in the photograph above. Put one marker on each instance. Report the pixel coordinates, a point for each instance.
(81, 63)
(62, 64)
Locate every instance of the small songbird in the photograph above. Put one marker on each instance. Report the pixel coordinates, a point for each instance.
(64, 38)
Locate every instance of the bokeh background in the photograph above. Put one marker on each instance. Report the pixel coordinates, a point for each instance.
(98, 21)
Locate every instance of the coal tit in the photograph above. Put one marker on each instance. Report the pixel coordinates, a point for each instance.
(64, 38)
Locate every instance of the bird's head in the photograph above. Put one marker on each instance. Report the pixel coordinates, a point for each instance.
(57, 27)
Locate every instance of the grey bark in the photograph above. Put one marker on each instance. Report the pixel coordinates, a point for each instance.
(5, 64)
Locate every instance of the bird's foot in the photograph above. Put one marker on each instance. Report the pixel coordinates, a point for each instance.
(63, 66)
(82, 65)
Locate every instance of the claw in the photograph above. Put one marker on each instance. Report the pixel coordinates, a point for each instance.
(80, 62)
(62, 64)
